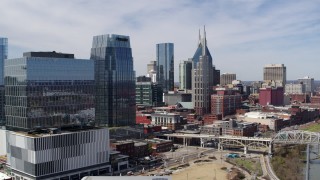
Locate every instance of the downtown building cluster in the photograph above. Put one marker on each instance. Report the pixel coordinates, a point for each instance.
(57, 110)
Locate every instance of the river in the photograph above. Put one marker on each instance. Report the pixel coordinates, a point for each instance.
(314, 164)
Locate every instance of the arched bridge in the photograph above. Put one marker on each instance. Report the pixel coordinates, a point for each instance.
(282, 137)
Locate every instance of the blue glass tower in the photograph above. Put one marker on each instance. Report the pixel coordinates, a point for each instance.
(115, 80)
(165, 66)
(3, 56)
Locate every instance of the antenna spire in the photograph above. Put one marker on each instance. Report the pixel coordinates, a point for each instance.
(204, 41)
(199, 37)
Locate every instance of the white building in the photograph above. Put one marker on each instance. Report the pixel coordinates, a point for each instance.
(295, 88)
(67, 155)
(3, 143)
(167, 120)
(269, 119)
(276, 73)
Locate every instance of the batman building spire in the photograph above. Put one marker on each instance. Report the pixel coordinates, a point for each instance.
(202, 77)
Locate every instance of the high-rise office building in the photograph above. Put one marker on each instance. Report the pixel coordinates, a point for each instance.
(50, 118)
(202, 77)
(276, 73)
(147, 92)
(152, 71)
(309, 82)
(185, 74)
(3, 56)
(46, 92)
(165, 66)
(115, 80)
(216, 76)
(227, 78)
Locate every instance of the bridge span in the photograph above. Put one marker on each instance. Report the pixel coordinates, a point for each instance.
(282, 137)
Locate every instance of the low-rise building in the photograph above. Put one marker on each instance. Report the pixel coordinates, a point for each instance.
(124, 147)
(273, 120)
(170, 121)
(160, 145)
(141, 149)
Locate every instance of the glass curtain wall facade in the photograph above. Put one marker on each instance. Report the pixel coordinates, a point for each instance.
(48, 92)
(115, 80)
(3, 56)
(165, 66)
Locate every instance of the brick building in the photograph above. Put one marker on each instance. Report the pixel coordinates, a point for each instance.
(271, 96)
(124, 147)
(225, 103)
(160, 145)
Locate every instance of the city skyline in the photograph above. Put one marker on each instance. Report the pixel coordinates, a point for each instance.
(241, 34)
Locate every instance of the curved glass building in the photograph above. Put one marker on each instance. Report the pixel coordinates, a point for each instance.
(115, 80)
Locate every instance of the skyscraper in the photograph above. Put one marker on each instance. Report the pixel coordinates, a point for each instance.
(185, 74)
(152, 71)
(3, 56)
(227, 78)
(309, 82)
(115, 80)
(276, 73)
(165, 66)
(202, 77)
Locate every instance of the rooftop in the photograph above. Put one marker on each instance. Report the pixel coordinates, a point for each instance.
(48, 54)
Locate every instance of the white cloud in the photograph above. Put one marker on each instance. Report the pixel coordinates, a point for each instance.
(240, 33)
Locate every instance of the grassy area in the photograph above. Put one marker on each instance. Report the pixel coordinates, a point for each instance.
(313, 128)
(252, 165)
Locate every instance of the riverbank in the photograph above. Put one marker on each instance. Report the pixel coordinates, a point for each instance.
(287, 161)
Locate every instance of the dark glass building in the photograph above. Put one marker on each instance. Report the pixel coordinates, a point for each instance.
(47, 92)
(3, 56)
(165, 66)
(115, 80)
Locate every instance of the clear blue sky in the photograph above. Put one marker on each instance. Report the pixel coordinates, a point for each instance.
(242, 35)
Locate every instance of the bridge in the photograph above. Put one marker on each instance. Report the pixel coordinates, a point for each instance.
(282, 137)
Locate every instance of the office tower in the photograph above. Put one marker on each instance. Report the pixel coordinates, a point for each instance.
(152, 71)
(185, 74)
(50, 118)
(53, 91)
(309, 82)
(227, 78)
(3, 56)
(202, 77)
(216, 76)
(115, 80)
(165, 66)
(276, 73)
(148, 93)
